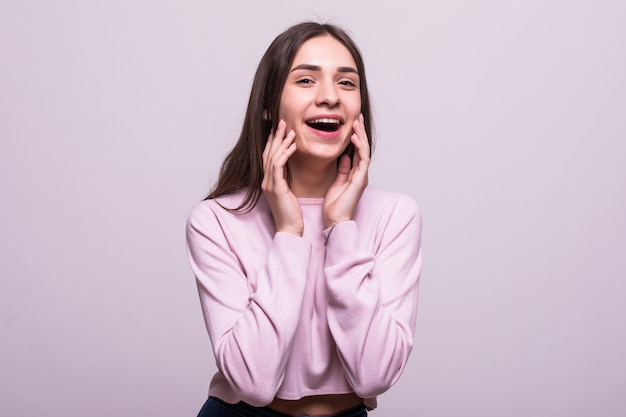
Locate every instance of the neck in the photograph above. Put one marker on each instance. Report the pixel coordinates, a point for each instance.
(312, 180)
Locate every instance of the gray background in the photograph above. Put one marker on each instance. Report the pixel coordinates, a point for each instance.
(505, 120)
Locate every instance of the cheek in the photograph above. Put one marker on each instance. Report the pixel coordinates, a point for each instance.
(285, 110)
(357, 105)
(353, 106)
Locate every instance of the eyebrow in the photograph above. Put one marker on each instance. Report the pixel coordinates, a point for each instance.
(318, 68)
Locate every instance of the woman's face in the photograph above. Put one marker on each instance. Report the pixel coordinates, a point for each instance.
(321, 98)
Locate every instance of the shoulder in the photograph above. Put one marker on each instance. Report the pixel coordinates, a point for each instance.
(383, 202)
(222, 211)
(384, 217)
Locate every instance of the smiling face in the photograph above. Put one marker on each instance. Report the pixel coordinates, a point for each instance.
(321, 98)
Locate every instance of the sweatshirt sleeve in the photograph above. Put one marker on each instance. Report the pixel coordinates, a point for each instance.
(250, 333)
(373, 297)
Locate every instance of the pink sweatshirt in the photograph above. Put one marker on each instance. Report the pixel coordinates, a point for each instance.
(289, 317)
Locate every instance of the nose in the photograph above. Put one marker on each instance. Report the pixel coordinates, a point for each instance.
(327, 94)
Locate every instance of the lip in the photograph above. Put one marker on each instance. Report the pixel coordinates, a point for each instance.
(324, 134)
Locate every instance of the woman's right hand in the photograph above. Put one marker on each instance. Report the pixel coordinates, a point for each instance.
(283, 203)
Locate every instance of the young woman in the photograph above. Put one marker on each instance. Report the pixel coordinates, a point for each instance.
(308, 279)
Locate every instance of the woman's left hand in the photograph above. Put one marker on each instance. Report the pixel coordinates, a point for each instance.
(345, 192)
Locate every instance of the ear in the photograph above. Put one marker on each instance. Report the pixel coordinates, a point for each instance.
(265, 115)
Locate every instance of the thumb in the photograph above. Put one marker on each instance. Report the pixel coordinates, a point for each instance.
(344, 165)
(343, 169)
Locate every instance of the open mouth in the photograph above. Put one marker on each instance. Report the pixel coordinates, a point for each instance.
(325, 124)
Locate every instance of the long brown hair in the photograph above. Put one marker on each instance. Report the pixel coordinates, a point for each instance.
(243, 166)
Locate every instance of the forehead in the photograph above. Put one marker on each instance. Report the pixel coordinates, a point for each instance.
(324, 51)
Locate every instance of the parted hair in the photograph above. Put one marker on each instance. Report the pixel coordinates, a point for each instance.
(243, 166)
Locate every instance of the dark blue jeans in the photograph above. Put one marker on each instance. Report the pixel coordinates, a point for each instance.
(214, 407)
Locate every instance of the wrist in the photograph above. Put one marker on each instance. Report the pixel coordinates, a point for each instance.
(332, 222)
(291, 230)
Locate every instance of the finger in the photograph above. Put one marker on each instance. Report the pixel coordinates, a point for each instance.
(268, 153)
(356, 158)
(343, 169)
(266, 150)
(359, 129)
(273, 142)
(278, 137)
(278, 161)
(361, 144)
(280, 155)
(288, 140)
(280, 144)
(273, 145)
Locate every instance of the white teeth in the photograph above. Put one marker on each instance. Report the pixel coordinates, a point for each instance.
(328, 121)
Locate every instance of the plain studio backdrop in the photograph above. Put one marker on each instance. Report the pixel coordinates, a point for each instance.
(505, 120)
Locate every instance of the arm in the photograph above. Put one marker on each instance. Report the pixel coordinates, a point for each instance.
(372, 300)
(250, 333)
